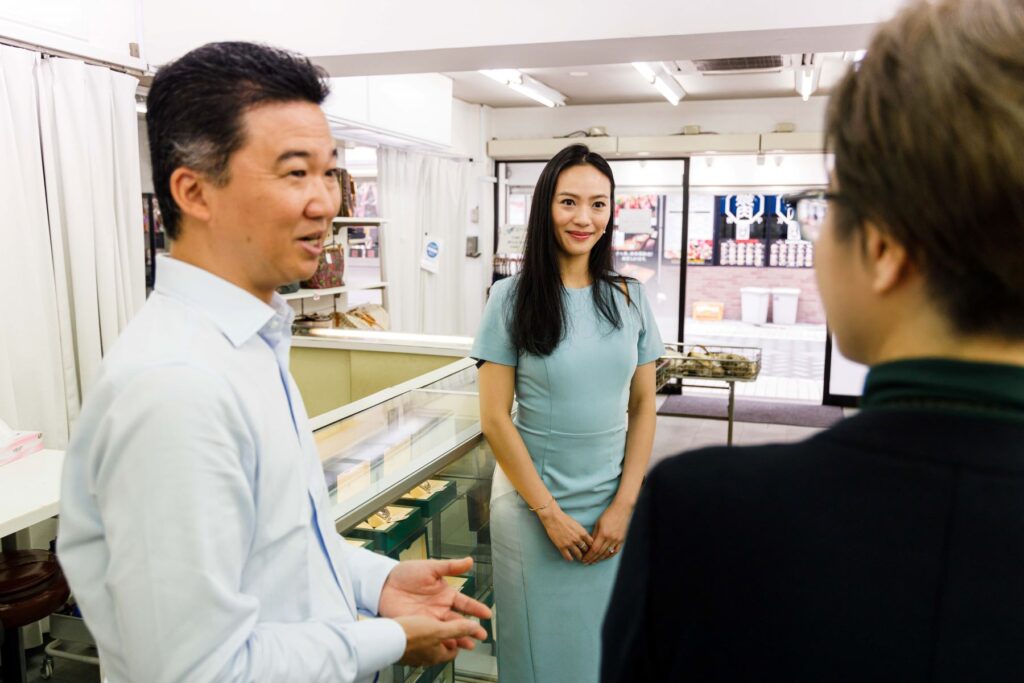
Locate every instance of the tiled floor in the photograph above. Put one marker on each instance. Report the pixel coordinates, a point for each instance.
(678, 434)
(792, 356)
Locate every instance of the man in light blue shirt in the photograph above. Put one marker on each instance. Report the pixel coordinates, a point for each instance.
(195, 528)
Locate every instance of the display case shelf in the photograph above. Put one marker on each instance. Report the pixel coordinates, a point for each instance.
(376, 451)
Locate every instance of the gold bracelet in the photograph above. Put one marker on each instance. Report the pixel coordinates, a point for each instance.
(541, 507)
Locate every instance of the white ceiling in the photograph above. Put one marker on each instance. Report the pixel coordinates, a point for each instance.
(621, 84)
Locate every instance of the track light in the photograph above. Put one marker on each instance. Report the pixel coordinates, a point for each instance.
(806, 80)
(526, 85)
(663, 81)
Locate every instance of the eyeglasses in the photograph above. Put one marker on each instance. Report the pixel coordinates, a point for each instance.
(810, 207)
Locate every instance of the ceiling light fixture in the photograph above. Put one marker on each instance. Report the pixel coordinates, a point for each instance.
(526, 85)
(806, 80)
(663, 81)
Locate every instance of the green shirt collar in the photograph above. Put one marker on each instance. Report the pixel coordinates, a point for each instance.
(945, 384)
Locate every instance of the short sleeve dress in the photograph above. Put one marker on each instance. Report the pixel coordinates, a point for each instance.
(572, 418)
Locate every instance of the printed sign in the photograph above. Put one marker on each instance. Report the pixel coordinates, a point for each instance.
(430, 261)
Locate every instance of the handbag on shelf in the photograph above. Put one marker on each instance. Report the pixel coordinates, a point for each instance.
(331, 271)
(348, 195)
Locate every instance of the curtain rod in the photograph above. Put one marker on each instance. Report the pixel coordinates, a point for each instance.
(50, 52)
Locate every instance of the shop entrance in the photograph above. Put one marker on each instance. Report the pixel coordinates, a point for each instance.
(750, 277)
(740, 247)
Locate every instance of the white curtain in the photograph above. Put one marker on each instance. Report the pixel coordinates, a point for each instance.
(32, 389)
(91, 160)
(71, 243)
(424, 195)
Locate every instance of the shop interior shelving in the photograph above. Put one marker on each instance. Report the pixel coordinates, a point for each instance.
(332, 291)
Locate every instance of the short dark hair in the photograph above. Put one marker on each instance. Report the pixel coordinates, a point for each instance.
(537, 315)
(195, 107)
(928, 136)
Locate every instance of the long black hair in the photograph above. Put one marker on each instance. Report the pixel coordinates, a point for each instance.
(537, 317)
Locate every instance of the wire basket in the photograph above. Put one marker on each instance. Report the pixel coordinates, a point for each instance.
(706, 361)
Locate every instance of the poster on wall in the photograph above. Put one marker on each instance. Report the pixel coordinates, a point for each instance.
(672, 235)
(638, 222)
(511, 239)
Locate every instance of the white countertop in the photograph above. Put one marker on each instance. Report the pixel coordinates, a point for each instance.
(29, 490)
(393, 342)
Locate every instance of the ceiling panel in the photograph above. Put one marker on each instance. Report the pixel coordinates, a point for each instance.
(621, 84)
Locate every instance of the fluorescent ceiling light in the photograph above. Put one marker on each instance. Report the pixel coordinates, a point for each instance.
(663, 82)
(806, 80)
(503, 76)
(645, 70)
(665, 88)
(526, 85)
(140, 107)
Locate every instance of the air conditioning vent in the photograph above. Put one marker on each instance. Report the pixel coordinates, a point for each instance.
(769, 63)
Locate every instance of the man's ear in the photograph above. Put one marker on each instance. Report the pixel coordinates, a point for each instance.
(887, 259)
(188, 189)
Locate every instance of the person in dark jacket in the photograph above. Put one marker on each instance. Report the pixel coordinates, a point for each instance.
(890, 547)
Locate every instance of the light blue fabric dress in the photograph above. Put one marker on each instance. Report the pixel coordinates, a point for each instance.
(572, 417)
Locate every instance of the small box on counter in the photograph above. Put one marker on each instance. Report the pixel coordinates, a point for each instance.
(390, 529)
(431, 496)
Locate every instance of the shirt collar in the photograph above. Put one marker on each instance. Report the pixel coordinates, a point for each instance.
(976, 387)
(237, 313)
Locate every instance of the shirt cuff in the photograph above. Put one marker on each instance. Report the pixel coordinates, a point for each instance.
(371, 583)
(378, 643)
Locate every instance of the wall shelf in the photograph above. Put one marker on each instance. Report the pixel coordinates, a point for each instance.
(332, 291)
(360, 221)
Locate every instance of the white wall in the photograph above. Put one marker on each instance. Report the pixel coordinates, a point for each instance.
(95, 29)
(428, 33)
(661, 118)
(781, 171)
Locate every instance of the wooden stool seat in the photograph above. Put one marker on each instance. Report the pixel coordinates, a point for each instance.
(32, 586)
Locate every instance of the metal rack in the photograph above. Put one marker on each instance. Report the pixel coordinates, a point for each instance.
(683, 363)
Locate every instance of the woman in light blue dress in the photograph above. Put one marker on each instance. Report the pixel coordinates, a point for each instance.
(575, 344)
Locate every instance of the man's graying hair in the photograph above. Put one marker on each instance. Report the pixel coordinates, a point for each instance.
(196, 103)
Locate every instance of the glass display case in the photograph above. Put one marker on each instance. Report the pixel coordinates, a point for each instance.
(409, 476)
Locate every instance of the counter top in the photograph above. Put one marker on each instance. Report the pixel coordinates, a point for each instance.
(394, 342)
(29, 490)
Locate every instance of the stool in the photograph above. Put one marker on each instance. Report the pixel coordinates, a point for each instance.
(32, 587)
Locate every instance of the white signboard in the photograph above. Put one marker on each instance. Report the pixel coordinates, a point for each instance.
(511, 239)
(702, 226)
(634, 221)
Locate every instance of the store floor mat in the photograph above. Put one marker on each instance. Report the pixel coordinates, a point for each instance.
(750, 410)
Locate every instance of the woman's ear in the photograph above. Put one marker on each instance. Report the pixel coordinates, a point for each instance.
(886, 259)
